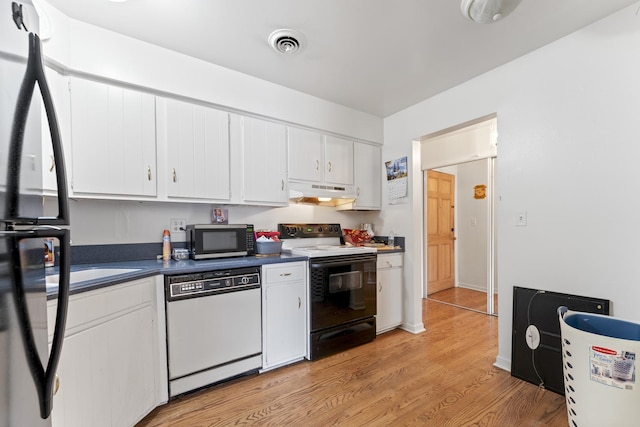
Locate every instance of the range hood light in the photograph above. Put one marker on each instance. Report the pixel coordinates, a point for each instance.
(324, 199)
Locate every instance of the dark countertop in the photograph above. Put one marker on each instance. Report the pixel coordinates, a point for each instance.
(390, 251)
(149, 268)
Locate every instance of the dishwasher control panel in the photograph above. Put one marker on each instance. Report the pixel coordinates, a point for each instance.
(193, 285)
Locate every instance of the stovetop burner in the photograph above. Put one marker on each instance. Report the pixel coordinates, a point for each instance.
(317, 240)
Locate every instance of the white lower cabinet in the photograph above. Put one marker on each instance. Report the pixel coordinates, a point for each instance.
(284, 313)
(389, 298)
(112, 370)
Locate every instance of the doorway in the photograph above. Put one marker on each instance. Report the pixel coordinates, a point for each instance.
(468, 153)
(462, 236)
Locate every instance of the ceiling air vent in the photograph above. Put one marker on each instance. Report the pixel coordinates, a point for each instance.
(287, 42)
(487, 11)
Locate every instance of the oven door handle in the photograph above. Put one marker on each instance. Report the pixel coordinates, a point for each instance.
(322, 264)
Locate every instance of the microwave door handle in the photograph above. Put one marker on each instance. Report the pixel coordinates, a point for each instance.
(34, 74)
(44, 378)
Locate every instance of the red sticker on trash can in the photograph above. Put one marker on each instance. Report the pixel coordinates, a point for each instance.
(603, 350)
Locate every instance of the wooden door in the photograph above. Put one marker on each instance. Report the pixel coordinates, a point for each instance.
(440, 232)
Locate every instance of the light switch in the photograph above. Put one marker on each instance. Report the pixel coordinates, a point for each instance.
(521, 219)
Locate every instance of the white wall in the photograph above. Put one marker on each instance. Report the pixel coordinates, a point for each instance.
(568, 150)
(85, 49)
(80, 49)
(472, 226)
(110, 222)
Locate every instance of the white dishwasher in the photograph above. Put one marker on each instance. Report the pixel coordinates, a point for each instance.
(214, 329)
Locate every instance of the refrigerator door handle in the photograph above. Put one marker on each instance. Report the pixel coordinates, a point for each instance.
(34, 74)
(44, 377)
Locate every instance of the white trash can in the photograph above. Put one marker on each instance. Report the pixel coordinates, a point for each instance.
(599, 365)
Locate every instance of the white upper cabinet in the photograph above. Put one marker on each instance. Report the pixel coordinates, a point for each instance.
(306, 160)
(338, 157)
(31, 175)
(59, 87)
(113, 140)
(318, 158)
(368, 173)
(264, 156)
(197, 150)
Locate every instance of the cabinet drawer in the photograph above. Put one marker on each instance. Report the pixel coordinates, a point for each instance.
(287, 272)
(389, 260)
(90, 308)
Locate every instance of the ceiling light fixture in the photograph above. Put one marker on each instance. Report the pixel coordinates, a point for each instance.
(487, 11)
(287, 42)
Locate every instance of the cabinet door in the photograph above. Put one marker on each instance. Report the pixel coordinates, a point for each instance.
(31, 172)
(59, 86)
(197, 151)
(106, 374)
(109, 364)
(389, 298)
(306, 161)
(113, 140)
(285, 323)
(368, 173)
(338, 161)
(264, 147)
(284, 313)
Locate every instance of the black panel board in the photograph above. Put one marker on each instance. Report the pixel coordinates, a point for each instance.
(540, 308)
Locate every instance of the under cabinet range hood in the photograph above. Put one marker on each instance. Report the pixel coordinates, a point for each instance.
(320, 194)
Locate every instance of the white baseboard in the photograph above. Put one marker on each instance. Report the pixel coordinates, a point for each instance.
(414, 329)
(472, 287)
(503, 363)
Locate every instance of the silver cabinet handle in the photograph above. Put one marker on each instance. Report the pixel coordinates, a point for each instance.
(299, 302)
(379, 286)
(148, 173)
(329, 166)
(285, 274)
(282, 184)
(389, 264)
(56, 387)
(317, 164)
(358, 191)
(175, 175)
(53, 163)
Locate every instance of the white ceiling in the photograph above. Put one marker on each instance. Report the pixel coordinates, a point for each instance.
(376, 56)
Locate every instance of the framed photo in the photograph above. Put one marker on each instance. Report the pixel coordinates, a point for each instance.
(219, 216)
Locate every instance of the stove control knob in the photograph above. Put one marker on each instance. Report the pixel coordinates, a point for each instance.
(319, 229)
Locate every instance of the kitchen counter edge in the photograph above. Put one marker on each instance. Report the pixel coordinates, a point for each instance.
(149, 268)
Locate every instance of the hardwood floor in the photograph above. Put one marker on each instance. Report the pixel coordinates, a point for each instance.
(463, 297)
(442, 377)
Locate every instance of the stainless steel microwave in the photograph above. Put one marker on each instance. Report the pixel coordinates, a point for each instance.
(206, 241)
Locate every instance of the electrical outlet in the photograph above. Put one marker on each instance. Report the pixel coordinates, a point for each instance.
(177, 225)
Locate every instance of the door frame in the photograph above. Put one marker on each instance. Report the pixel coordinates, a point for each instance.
(488, 152)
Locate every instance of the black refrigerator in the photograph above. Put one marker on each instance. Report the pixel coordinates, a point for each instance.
(27, 362)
